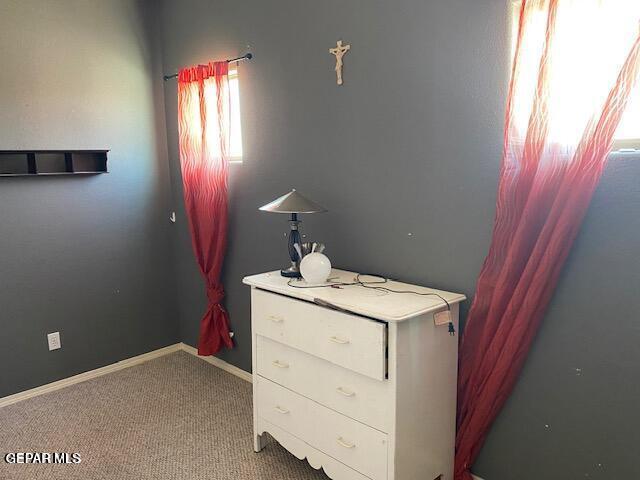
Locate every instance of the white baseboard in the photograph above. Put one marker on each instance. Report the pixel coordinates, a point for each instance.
(114, 367)
(475, 477)
(221, 364)
(83, 377)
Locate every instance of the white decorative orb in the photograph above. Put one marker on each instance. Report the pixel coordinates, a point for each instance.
(315, 268)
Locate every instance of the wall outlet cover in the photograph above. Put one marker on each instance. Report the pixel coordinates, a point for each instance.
(53, 340)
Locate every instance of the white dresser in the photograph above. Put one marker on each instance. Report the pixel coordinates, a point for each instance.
(365, 395)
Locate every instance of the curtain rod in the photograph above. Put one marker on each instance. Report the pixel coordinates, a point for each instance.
(247, 56)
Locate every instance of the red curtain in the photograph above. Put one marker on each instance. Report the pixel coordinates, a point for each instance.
(203, 124)
(563, 109)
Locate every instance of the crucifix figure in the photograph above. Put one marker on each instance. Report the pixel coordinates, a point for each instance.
(339, 52)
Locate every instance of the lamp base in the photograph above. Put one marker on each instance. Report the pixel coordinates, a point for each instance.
(292, 272)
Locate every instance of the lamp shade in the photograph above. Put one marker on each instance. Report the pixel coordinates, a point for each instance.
(293, 202)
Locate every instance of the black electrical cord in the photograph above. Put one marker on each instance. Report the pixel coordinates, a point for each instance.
(390, 290)
(328, 285)
(370, 284)
(374, 285)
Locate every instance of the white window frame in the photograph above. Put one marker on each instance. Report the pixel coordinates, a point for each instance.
(624, 145)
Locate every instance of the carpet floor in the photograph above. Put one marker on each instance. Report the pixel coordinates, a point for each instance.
(175, 417)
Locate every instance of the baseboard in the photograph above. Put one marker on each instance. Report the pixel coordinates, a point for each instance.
(83, 377)
(114, 367)
(221, 364)
(475, 477)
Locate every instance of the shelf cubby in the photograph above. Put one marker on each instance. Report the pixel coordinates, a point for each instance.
(52, 162)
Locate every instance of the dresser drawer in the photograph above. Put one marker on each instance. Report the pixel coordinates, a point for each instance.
(358, 446)
(350, 341)
(345, 391)
(283, 408)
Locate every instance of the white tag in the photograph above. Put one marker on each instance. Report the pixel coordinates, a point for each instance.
(442, 318)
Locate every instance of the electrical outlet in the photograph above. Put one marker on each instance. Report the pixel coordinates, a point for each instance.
(54, 340)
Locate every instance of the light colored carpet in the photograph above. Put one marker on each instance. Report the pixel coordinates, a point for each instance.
(175, 417)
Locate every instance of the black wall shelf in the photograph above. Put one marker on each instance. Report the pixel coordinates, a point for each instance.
(18, 163)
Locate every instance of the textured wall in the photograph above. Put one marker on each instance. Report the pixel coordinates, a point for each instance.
(89, 256)
(411, 145)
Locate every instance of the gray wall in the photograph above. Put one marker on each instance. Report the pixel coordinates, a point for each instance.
(89, 257)
(411, 145)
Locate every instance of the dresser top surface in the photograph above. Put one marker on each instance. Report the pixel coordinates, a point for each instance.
(382, 305)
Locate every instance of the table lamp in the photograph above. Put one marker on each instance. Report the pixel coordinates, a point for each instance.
(293, 203)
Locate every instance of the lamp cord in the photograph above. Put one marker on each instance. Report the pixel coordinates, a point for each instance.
(372, 284)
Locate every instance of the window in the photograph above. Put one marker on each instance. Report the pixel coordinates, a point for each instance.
(583, 29)
(234, 114)
(231, 111)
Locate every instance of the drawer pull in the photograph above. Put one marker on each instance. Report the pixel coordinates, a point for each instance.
(280, 364)
(341, 441)
(346, 393)
(339, 340)
(281, 410)
(276, 319)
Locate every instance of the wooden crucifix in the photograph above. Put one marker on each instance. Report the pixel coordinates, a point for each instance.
(339, 52)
